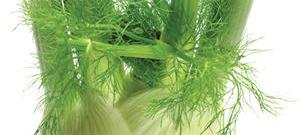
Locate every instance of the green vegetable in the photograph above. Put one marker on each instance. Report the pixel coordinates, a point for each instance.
(142, 67)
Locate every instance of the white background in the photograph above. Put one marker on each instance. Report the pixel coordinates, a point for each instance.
(277, 21)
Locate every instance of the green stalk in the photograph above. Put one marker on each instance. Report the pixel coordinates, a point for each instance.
(179, 32)
(181, 23)
(124, 31)
(158, 51)
(238, 19)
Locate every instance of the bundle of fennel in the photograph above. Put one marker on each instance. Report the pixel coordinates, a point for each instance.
(142, 67)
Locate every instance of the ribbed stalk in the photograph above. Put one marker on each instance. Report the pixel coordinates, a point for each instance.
(157, 51)
(238, 19)
(181, 23)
